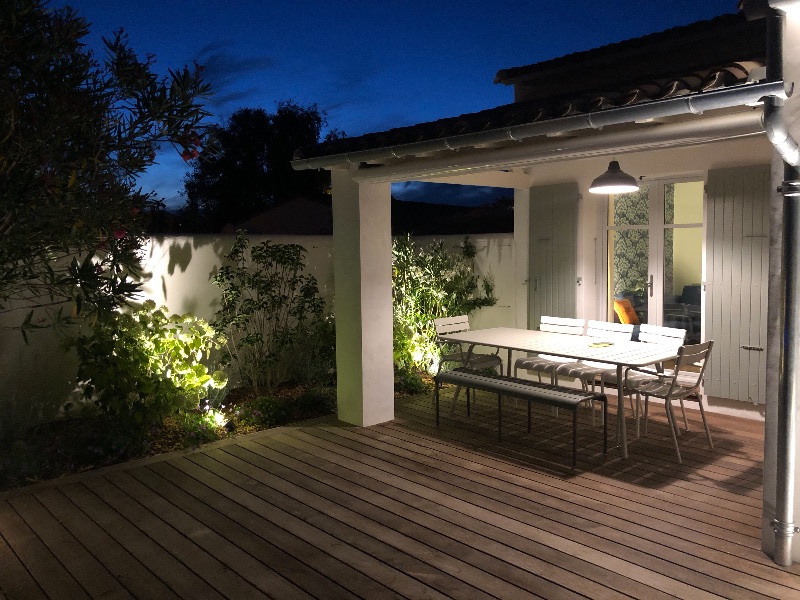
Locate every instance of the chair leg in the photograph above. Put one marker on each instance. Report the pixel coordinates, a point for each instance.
(685, 421)
(436, 401)
(673, 426)
(646, 406)
(705, 423)
(585, 388)
(602, 391)
(455, 399)
(554, 381)
(499, 418)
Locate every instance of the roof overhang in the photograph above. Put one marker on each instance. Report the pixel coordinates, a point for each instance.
(543, 150)
(672, 120)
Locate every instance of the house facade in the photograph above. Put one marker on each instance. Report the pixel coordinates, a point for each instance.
(703, 117)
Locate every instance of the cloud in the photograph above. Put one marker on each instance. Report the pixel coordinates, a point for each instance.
(226, 71)
(443, 193)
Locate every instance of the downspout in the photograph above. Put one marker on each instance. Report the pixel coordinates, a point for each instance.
(778, 133)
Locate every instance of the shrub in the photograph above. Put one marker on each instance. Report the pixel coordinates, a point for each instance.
(141, 367)
(270, 410)
(429, 283)
(410, 382)
(269, 308)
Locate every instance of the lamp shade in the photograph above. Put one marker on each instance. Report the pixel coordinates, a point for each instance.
(614, 181)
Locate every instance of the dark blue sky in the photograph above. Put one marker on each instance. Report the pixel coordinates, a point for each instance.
(370, 65)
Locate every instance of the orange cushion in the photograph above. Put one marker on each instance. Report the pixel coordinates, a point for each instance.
(625, 312)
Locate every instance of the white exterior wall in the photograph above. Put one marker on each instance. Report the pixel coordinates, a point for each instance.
(179, 269)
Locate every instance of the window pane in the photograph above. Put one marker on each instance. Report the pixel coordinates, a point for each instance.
(682, 275)
(629, 251)
(630, 209)
(683, 203)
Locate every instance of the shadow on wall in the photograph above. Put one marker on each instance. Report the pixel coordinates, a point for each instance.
(37, 377)
(179, 270)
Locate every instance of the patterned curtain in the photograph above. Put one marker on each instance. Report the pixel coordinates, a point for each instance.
(669, 218)
(631, 245)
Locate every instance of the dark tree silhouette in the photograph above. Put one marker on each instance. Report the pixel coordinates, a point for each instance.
(75, 132)
(251, 169)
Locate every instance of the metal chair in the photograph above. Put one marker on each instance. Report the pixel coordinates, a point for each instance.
(547, 363)
(590, 372)
(648, 334)
(456, 354)
(681, 383)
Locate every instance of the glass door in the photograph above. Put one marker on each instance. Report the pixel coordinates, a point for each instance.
(655, 253)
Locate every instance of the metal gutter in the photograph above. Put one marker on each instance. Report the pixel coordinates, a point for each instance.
(670, 135)
(668, 107)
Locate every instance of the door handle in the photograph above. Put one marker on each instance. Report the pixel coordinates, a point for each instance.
(650, 286)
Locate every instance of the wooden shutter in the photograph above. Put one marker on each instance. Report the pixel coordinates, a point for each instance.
(553, 252)
(737, 253)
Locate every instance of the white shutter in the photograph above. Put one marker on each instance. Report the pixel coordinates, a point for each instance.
(553, 252)
(737, 247)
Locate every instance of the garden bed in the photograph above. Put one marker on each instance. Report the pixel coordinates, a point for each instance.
(80, 443)
(84, 442)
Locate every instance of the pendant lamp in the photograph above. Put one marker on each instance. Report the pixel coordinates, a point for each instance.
(614, 181)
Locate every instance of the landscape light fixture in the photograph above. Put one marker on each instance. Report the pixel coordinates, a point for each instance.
(614, 181)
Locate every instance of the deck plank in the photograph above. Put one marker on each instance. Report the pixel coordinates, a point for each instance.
(134, 576)
(235, 541)
(49, 573)
(366, 550)
(593, 505)
(539, 560)
(278, 516)
(436, 555)
(89, 573)
(163, 564)
(406, 509)
(572, 530)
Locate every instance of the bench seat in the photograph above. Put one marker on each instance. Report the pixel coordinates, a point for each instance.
(524, 389)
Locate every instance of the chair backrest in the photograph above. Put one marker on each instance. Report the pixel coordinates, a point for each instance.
(690, 357)
(562, 325)
(609, 331)
(625, 312)
(666, 336)
(691, 294)
(446, 325)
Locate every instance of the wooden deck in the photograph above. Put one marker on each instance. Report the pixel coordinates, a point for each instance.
(405, 510)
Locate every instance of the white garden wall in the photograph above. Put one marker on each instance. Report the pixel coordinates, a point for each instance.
(38, 378)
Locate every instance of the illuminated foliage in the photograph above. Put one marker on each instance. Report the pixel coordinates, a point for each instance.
(429, 283)
(146, 365)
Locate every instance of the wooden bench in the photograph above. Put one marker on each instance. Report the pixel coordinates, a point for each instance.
(524, 389)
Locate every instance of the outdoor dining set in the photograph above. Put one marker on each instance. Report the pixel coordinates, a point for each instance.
(638, 361)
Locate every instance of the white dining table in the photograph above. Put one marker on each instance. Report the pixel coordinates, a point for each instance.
(620, 353)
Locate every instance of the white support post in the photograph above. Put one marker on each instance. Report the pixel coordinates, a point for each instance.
(522, 217)
(362, 271)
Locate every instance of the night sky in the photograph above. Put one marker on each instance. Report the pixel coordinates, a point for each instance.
(370, 65)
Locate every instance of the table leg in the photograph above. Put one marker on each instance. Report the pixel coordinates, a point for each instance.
(622, 437)
(508, 364)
